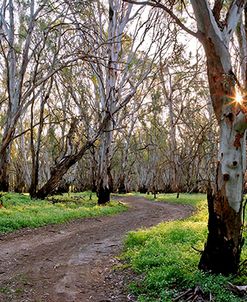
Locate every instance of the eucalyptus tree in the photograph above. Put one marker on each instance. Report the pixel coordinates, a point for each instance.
(26, 39)
(15, 53)
(119, 16)
(225, 199)
(216, 24)
(120, 75)
(182, 79)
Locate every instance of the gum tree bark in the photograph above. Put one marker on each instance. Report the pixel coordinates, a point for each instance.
(118, 18)
(225, 197)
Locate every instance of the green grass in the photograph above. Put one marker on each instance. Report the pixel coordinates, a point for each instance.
(165, 258)
(19, 211)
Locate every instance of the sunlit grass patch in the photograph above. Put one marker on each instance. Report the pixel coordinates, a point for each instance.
(19, 211)
(167, 255)
(185, 198)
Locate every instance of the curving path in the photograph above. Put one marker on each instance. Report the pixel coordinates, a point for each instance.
(72, 262)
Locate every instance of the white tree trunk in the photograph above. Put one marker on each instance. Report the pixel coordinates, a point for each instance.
(118, 18)
(224, 242)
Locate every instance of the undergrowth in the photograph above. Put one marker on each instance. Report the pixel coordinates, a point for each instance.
(19, 211)
(166, 256)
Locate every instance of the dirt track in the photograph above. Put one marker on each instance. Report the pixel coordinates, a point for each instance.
(72, 262)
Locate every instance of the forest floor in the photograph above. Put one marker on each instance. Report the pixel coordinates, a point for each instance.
(75, 261)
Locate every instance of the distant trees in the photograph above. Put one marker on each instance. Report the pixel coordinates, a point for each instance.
(100, 95)
(16, 53)
(35, 46)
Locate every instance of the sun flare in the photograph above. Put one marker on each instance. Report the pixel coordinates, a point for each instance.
(239, 97)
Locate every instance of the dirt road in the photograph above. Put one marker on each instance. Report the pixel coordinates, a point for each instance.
(72, 262)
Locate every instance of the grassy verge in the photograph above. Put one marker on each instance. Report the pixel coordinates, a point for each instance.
(19, 211)
(165, 257)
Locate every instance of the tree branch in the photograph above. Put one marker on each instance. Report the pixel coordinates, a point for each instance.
(217, 9)
(232, 18)
(168, 11)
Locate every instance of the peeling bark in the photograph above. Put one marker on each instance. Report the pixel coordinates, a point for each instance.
(225, 197)
(224, 242)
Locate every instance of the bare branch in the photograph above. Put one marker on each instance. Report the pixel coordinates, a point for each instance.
(168, 11)
(232, 18)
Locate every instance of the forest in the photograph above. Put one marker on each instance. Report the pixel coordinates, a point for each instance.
(123, 150)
